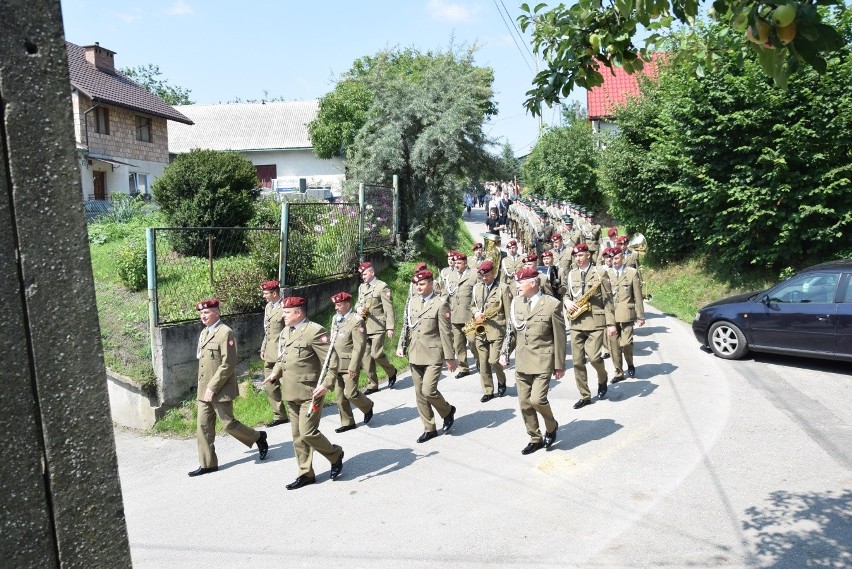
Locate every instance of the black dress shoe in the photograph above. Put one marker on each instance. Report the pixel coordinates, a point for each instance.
(532, 447)
(462, 373)
(449, 419)
(501, 390)
(301, 481)
(617, 378)
(604, 355)
(486, 398)
(582, 403)
(344, 428)
(368, 415)
(276, 422)
(202, 470)
(631, 371)
(371, 391)
(428, 435)
(550, 438)
(601, 391)
(391, 380)
(337, 467)
(262, 445)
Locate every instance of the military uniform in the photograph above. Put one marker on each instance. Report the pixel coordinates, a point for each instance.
(592, 236)
(539, 327)
(459, 291)
(350, 341)
(273, 322)
(429, 342)
(629, 307)
(379, 320)
(509, 267)
(487, 299)
(303, 350)
(587, 331)
(217, 371)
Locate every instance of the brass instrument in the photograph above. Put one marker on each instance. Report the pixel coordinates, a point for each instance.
(471, 326)
(491, 244)
(364, 308)
(638, 244)
(583, 303)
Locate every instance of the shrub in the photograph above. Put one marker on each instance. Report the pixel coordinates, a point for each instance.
(205, 188)
(132, 264)
(238, 284)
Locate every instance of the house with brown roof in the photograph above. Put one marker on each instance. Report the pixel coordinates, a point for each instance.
(119, 126)
(272, 135)
(617, 89)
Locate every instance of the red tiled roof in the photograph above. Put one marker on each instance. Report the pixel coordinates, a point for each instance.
(115, 88)
(602, 100)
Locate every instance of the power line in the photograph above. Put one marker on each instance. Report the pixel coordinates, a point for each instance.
(505, 23)
(517, 30)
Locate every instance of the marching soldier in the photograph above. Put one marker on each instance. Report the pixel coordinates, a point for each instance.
(587, 286)
(217, 389)
(592, 234)
(491, 311)
(559, 250)
(350, 339)
(511, 264)
(459, 289)
(273, 322)
(441, 284)
(551, 283)
(304, 348)
(478, 256)
(538, 324)
(629, 308)
(427, 338)
(375, 307)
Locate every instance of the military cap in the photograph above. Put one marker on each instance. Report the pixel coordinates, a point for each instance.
(294, 302)
(341, 297)
(423, 275)
(209, 303)
(579, 248)
(269, 285)
(485, 266)
(527, 273)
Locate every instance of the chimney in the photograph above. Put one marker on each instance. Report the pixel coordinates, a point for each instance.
(100, 57)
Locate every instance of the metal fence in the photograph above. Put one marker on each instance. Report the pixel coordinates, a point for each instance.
(191, 264)
(321, 241)
(379, 227)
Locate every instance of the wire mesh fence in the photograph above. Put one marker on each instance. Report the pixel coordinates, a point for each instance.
(322, 242)
(378, 217)
(228, 263)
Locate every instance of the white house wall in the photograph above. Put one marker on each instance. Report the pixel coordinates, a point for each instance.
(300, 163)
(117, 177)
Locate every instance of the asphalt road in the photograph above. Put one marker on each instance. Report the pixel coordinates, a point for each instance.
(698, 462)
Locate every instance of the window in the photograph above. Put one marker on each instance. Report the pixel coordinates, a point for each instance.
(819, 288)
(138, 183)
(143, 129)
(101, 117)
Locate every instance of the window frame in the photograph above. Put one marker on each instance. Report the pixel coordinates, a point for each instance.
(146, 126)
(101, 120)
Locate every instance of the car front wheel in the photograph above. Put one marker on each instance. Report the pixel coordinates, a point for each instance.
(727, 341)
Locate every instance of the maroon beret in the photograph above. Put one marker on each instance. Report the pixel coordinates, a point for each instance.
(527, 273)
(579, 248)
(364, 266)
(269, 285)
(621, 239)
(512, 243)
(556, 237)
(531, 258)
(615, 251)
(341, 297)
(485, 266)
(546, 254)
(477, 247)
(606, 252)
(612, 232)
(422, 276)
(294, 302)
(460, 256)
(452, 253)
(420, 267)
(209, 303)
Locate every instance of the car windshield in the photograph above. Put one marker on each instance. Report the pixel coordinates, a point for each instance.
(809, 288)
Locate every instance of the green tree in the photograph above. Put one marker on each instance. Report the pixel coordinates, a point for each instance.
(424, 123)
(341, 114)
(150, 77)
(727, 167)
(579, 40)
(563, 164)
(507, 167)
(206, 188)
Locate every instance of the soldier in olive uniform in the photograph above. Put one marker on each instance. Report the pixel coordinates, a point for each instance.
(273, 322)
(537, 322)
(427, 338)
(629, 308)
(587, 330)
(458, 293)
(559, 250)
(592, 234)
(511, 263)
(478, 256)
(217, 389)
(490, 297)
(350, 339)
(304, 346)
(375, 307)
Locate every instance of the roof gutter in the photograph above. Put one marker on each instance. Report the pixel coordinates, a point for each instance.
(86, 122)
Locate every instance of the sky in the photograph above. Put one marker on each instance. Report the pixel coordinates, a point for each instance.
(224, 51)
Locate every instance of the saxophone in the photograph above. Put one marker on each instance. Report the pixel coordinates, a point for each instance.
(471, 326)
(583, 303)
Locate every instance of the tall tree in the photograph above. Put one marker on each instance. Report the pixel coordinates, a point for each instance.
(150, 77)
(421, 117)
(727, 167)
(507, 166)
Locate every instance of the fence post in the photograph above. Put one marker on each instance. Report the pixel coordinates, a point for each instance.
(210, 258)
(153, 306)
(361, 211)
(282, 251)
(396, 208)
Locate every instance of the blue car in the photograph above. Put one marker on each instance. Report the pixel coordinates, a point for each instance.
(809, 314)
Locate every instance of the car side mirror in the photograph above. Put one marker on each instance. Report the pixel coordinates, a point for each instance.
(765, 299)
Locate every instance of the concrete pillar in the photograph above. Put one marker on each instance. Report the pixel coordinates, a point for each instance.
(61, 502)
